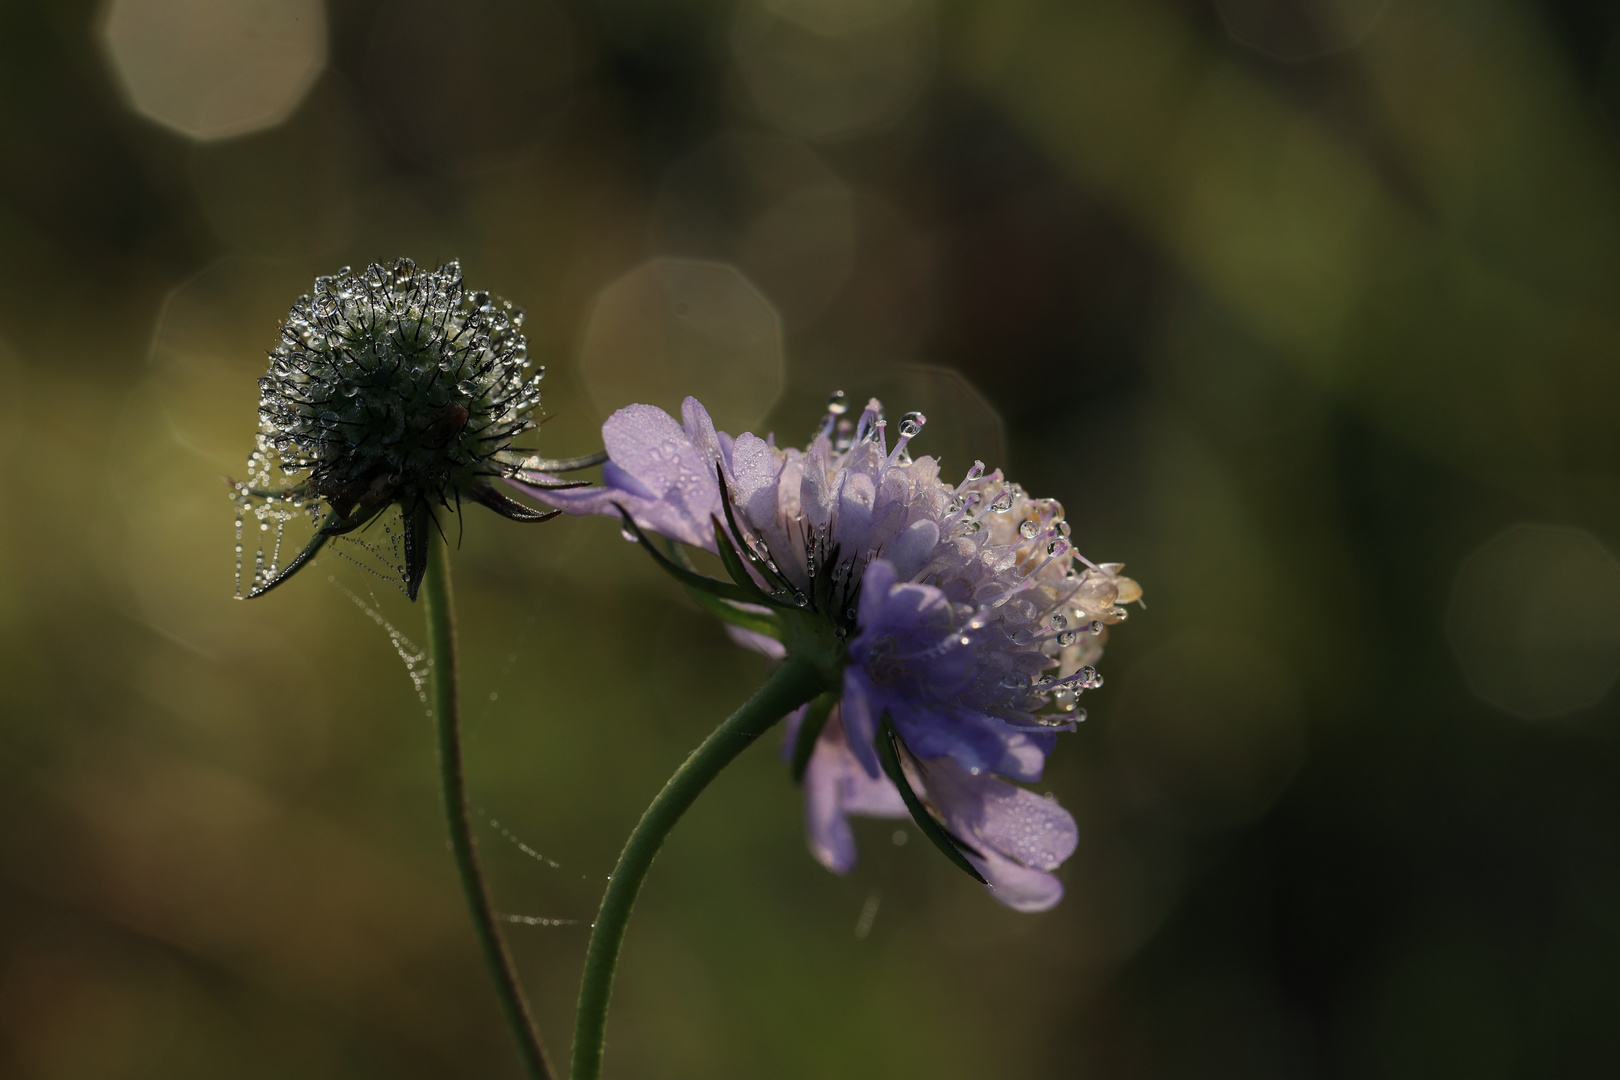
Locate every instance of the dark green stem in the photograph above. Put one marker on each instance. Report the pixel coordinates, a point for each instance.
(791, 685)
(441, 625)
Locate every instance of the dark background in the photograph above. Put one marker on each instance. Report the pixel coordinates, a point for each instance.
(1306, 309)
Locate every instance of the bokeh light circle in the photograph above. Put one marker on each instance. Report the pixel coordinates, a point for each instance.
(213, 69)
(1534, 620)
(677, 327)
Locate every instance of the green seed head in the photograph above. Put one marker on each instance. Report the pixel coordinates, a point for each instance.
(396, 383)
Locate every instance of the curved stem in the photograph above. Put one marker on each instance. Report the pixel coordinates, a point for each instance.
(790, 686)
(441, 625)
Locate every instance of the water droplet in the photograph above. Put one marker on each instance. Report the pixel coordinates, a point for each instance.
(628, 535)
(838, 403)
(1029, 528)
(911, 424)
(1059, 620)
(1003, 502)
(1067, 638)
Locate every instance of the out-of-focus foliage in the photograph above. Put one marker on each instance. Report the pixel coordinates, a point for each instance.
(1305, 308)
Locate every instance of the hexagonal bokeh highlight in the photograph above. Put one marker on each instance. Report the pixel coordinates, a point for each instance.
(1296, 30)
(771, 206)
(1534, 620)
(678, 327)
(824, 69)
(212, 69)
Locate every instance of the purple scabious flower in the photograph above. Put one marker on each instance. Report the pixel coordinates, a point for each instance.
(956, 624)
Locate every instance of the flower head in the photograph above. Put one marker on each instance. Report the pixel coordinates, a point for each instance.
(955, 624)
(393, 385)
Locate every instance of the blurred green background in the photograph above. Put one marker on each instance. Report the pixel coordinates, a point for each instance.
(1306, 309)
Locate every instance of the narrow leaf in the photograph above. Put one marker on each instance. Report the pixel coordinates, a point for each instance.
(418, 522)
(508, 507)
(573, 464)
(772, 577)
(339, 526)
(732, 561)
(723, 589)
(315, 544)
(757, 621)
(889, 749)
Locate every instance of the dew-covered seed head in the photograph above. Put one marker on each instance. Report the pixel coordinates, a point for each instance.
(396, 383)
(393, 385)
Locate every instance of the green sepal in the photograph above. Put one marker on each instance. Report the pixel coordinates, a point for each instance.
(419, 525)
(758, 622)
(815, 719)
(691, 579)
(339, 526)
(821, 587)
(315, 544)
(888, 750)
(773, 577)
(677, 554)
(506, 506)
(290, 494)
(573, 464)
(734, 564)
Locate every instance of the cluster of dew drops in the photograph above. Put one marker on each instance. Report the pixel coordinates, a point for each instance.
(268, 514)
(1090, 595)
(842, 431)
(478, 338)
